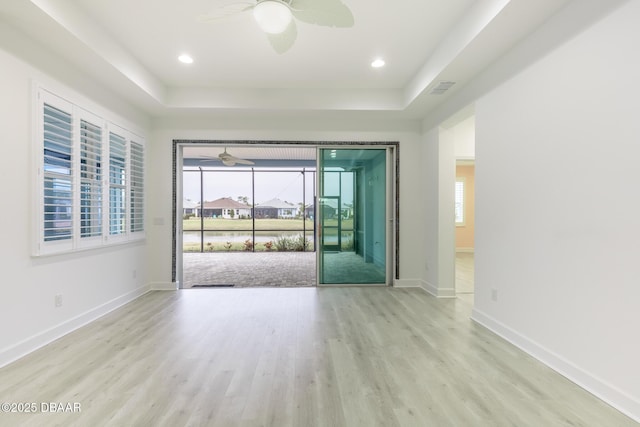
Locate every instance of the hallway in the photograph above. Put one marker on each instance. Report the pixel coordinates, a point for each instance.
(464, 272)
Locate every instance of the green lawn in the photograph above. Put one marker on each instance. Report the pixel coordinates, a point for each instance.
(261, 224)
(219, 244)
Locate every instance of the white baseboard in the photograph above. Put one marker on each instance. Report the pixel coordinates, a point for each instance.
(610, 394)
(437, 292)
(465, 250)
(446, 293)
(406, 283)
(163, 286)
(429, 288)
(21, 349)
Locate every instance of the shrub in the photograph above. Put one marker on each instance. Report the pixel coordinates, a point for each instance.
(248, 245)
(227, 246)
(300, 243)
(283, 243)
(268, 245)
(347, 245)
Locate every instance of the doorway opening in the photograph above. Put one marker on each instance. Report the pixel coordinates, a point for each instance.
(248, 216)
(270, 216)
(465, 226)
(353, 211)
(464, 137)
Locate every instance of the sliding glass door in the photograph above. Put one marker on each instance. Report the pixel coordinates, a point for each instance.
(354, 216)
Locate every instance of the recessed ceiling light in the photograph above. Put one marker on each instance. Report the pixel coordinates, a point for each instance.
(185, 59)
(377, 63)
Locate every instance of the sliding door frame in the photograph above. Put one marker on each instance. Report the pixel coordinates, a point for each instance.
(390, 219)
(393, 164)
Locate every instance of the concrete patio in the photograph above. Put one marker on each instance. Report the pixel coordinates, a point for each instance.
(275, 269)
(249, 269)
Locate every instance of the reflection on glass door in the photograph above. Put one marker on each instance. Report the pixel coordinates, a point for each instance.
(352, 216)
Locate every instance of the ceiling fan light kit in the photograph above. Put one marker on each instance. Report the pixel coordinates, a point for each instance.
(278, 18)
(273, 16)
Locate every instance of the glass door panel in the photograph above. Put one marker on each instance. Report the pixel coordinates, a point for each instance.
(331, 223)
(352, 216)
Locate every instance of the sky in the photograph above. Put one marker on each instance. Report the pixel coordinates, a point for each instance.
(287, 186)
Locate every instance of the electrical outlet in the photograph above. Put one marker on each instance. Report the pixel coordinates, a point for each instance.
(58, 300)
(494, 294)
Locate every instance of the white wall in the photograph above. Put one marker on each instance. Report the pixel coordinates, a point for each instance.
(91, 282)
(464, 135)
(166, 131)
(557, 209)
(437, 194)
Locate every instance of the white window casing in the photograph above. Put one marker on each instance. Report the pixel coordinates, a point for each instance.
(89, 186)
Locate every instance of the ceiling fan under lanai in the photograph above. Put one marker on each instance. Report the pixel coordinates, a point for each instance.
(229, 160)
(277, 18)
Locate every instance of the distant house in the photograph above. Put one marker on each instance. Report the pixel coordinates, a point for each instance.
(309, 211)
(225, 207)
(346, 211)
(189, 207)
(329, 208)
(276, 208)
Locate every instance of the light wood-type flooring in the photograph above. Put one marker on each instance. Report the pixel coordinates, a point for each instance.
(465, 272)
(300, 357)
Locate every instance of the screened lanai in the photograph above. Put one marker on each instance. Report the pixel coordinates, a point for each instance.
(262, 215)
(250, 223)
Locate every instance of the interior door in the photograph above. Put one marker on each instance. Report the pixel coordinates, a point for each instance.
(353, 212)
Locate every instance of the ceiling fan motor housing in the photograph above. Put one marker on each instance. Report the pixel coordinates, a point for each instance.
(273, 16)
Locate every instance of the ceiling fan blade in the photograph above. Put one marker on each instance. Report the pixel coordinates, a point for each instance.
(232, 159)
(326, 13)
(229, 8)
(229, 160)
(284, 41)
(243, 161)
(208, 159)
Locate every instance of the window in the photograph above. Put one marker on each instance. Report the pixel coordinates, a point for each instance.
(79, 205)
(90, 180)
(117, 183)
(137, 187)
(58, 173)
(459, 200)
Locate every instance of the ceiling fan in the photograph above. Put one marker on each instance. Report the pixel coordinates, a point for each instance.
(229, 160)
(277, 18)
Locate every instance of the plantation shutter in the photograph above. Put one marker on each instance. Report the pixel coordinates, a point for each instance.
(137, 187)
(459, 200)
(117, 184)
(90, 179)
(57, 174)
